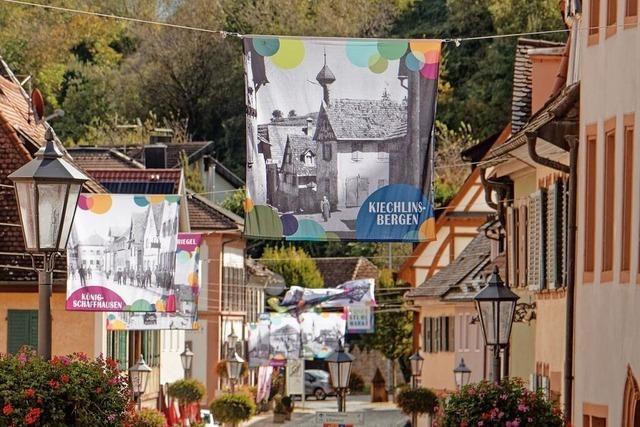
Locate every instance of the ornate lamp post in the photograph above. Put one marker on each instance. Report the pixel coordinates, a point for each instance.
(234, 367)
(416, 367)
(340, 369)
(496, 305)
(186, 357)
(232, 341)
(462, 374)
(47, 190)
(139, 377)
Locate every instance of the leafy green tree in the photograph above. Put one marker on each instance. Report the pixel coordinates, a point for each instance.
(192, 175)
(294, 265)
(234, 202)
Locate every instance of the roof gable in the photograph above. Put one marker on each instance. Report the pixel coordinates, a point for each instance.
(365, 119)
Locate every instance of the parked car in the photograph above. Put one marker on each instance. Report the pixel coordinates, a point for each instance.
(317, 384)
(207, 418)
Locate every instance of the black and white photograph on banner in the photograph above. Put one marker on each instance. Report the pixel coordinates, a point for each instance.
(339, 135)
(284, 337)
(258, 343)
(121, 253)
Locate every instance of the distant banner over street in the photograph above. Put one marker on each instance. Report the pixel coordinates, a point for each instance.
(347, 155)
(187, 288)
(121, 253)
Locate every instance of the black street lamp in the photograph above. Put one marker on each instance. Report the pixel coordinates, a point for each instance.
(340, 370)
(139, 377)
(232, 341)
(462, 374)
(496, 305)
(47, 190)
(234, 368)
(416, 367)
(186, 357)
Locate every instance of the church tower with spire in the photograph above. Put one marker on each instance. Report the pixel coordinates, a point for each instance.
(325, 77)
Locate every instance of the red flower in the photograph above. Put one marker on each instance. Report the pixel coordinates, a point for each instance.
(7, 409)
(53, 384)
(64, 378)
(99, 390)
(32, 416)
(30, 392)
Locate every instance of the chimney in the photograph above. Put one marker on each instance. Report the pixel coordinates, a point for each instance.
(155, 153)
(308, 129)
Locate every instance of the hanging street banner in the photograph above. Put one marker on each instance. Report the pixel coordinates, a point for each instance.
(121, 253)
(340, 138)
(258, 344)
(276, 337)
(360, 319)
(354, 292)
(187, 289)
(321, 333)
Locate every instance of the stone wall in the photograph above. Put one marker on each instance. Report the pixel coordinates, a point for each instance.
(366, 363)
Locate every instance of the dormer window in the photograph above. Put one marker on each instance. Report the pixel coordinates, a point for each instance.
(309, 159)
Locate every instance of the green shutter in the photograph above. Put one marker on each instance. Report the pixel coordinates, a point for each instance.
(22, 329)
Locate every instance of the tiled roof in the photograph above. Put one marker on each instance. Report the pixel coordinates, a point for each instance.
(336, 271)
(102, 158)
(139, 181)
(470, 261)
(275, 134)
(521, 99)
(366, 118)
(298, 145)
(205, 215)
(259, 275)
(193, 150)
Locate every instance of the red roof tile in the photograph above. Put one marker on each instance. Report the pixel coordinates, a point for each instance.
(204, 215)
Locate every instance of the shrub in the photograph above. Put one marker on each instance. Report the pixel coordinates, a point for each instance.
(233, 408)
(67, 390)
(186, 391)
(356, 382)
(419, 400)
(147, 417)
(506, 404)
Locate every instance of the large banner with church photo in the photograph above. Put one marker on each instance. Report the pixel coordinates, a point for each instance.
(121, 253)
(340, 138)
(186, 283)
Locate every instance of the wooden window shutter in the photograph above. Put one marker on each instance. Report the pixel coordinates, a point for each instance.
(436, 334)
(444, 334)
(424, 334)
(554, 235)
(536, 247)
(429, 336)
(22, 327)
(512, 254)
(451, 340)
(522, 245)
(565, 231)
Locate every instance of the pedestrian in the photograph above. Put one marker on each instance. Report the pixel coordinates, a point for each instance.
(325, 208)
(83, 279)
(89, 272)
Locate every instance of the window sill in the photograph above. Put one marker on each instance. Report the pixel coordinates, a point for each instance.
(625, 277)
(606, 277)
(610, 31)
(630, 22)
(593, 39)
(587, 277)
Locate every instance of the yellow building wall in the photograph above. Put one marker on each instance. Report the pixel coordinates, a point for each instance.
(72, 331)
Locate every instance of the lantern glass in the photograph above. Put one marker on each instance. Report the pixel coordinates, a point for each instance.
(340, 372)
(462, 374)
(416, 364)
(187, 358)
(139, 376)
(234, 366)
(69, 213)
(26, 192)
(51, 202)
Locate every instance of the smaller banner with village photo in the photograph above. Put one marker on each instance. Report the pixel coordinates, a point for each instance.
(121, 253)
(187, 289)
(340, 138)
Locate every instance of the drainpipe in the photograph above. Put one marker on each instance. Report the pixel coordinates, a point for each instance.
(504, 188)
(572, 170)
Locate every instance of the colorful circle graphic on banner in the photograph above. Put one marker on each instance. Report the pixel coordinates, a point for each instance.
(96, 203)
(266, 46)
(182, 257)
(359, 52)
(140, 201)
(392, 212)
(378, 64)
(289, 55)
(308, 229)
(392, 49)
(289, 224)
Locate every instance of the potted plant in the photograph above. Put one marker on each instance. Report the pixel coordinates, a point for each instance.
(187, 392)
(279, 410)
(416, 401)
(509, 403)
(287, 402)
(148, 417)
(233, 408)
